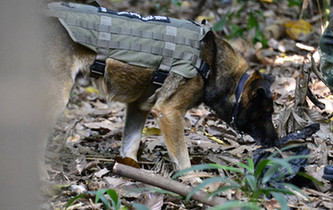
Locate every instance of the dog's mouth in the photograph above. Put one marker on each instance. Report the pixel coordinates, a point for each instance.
(265, 135)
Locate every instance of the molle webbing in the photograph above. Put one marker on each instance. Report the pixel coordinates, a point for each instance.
(153, 42)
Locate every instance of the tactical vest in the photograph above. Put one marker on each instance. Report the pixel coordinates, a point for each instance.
(158, 42)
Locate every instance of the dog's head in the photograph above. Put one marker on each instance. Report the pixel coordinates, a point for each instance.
(253, 113)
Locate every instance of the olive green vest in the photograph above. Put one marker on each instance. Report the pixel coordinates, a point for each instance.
(157, 42)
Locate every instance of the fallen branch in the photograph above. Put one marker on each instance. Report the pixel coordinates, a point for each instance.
(165, 183)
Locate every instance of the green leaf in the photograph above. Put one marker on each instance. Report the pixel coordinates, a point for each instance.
(106, 203)
(250, 167)
(205, 183)
(270, 172)
(222, 189)
(250, 163)
(236, 31)
(235, 204)
(269, 190)
(157, 190)
(99, 194)
(227, 168)
(295, 3)
(310, 178)
(283, 163)
(261, 167)
(73, 200)
(252, 22)
(176, 3)
(114, 197)
(204, 167)
(281, 199)
(221, 23)
(252, 182)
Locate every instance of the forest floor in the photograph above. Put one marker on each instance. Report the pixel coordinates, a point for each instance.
(85, 142)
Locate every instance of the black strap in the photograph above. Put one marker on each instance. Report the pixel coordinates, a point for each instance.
(161, 75)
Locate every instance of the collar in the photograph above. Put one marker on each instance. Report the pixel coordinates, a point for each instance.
(238, 93)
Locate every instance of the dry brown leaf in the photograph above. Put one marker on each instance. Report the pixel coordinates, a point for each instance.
(101, 172)
(106, 124)
(77, 165)
(153, 201)
(73, 139)
(272, 204)
(297, 27)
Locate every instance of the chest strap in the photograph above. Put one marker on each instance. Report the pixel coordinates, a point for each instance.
(160, 75)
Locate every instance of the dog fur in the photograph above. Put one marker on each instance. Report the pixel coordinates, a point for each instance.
(132, 85)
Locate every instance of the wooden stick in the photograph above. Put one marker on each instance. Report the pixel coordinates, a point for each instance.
(165, 183)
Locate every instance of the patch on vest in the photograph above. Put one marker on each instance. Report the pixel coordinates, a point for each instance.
(135, 15)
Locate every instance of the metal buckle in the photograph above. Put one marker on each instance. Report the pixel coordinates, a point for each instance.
(97, 69)
(204, 70)
(159, 77)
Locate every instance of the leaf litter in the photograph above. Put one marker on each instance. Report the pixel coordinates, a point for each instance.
(86, 140)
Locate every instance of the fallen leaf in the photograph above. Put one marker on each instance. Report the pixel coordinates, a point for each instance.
(152, 131)
(297, 27)
(73, 139)
(91, 90)
(101, 172)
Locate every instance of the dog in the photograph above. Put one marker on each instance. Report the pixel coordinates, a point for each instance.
(240, 99)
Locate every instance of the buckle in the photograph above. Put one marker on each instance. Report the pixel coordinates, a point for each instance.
(159, 77)
(97, 69)
(204, 70)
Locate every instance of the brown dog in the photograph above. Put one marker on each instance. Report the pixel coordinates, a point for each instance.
(239, 99)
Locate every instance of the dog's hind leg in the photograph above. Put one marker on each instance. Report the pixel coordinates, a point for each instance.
(134, 123)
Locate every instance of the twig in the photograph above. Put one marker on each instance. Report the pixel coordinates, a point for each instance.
(101, 159)
(165, 183)
(314, 100)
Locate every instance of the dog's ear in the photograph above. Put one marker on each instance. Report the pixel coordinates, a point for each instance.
(253, 89)
(208, 52)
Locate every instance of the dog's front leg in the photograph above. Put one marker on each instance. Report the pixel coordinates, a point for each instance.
(135, 120)
(171, 122)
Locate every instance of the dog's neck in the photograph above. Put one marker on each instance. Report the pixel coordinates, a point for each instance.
(227, 69)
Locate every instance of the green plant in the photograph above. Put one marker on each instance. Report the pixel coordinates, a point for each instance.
(253, 181)
(114, 203)
(238, 30)
(99, 195)
(292, 3)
